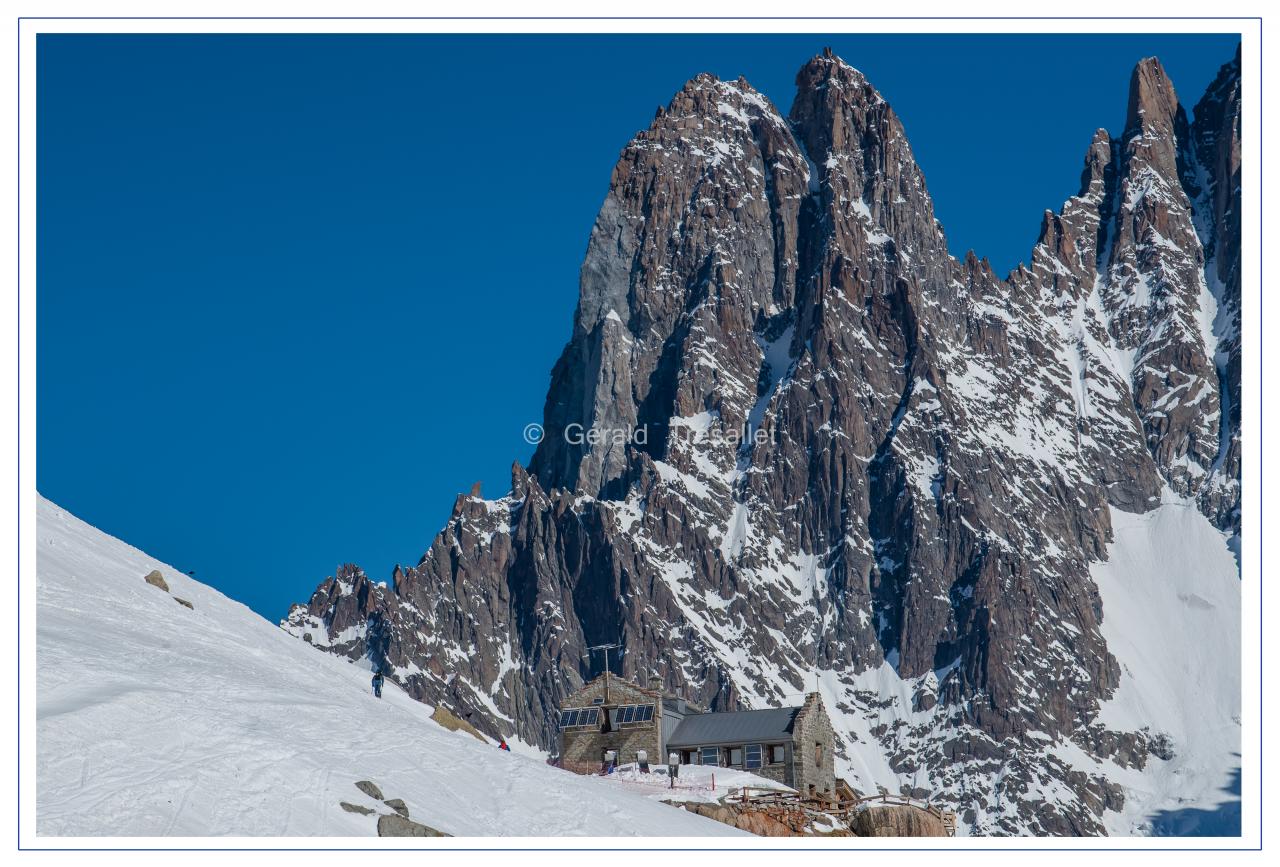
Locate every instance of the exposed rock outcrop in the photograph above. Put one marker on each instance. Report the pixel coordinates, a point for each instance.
(396, 825)
(897, 821)
(450, 721)
(370, 789)
(756, 822)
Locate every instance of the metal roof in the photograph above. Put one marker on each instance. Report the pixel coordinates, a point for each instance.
(735, 727)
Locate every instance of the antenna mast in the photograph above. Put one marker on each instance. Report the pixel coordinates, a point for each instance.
(817, 632)
(605, 648)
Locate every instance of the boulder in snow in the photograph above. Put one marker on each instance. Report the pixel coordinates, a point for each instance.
(370, 789)
(395, 825)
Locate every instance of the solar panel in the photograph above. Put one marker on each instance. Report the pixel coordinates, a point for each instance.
(567, 718)
(648, 712)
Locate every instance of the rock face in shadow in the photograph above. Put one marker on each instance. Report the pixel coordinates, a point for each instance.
(823, 442)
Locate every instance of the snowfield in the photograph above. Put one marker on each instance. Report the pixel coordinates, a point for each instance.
(1171, 615)
(159, 720)
(694, 783)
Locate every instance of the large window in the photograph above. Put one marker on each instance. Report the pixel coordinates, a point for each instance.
(754, 754)
(735, 757)
(710, 756)
(777, 754)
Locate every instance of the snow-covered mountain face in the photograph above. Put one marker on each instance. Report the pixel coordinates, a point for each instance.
(827, 450)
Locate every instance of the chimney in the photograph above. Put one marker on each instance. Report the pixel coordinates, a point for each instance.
(655, 683)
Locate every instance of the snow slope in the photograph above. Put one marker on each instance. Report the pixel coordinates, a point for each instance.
(1171, 615)
(157, 720)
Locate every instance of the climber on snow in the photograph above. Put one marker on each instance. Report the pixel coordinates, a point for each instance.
(377, 684)
(503, 745)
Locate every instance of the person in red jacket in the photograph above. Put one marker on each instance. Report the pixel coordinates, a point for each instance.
(503, 745)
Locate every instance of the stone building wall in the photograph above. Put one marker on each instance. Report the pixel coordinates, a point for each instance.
(581, 750)
(777, 773)
(812, 732)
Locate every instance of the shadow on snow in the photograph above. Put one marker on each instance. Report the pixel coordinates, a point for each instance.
(1220, 821)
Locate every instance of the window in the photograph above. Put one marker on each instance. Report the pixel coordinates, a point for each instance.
(688, 757)
(754, 754)
(735, 757)
(817, 754)
(777, 754)
(710, 756)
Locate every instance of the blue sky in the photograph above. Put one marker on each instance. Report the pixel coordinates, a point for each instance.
(294, 293)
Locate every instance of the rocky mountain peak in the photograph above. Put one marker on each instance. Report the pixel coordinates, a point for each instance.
(827, 449)
(1098, 159)
(1153, 104)
(835, 107)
